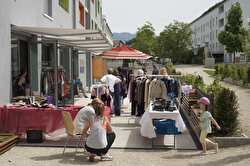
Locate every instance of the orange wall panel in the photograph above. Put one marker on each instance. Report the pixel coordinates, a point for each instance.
(99, 68)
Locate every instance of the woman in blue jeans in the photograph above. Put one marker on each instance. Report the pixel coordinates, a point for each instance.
(101, 135)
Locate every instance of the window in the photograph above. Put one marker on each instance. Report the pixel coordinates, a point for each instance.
(81, 13)
(64, 4)
(221, 22)
(221, 9)
(243, 57)
(48, 7)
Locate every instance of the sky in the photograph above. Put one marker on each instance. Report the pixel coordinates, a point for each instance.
(128, 15)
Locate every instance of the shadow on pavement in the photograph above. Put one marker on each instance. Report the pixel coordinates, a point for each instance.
(182, 156)
(125, 125)
(68, 158)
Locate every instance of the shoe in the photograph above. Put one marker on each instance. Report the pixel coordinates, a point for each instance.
(216, 148)
(204, 153)
(106, 158)
(91, 157)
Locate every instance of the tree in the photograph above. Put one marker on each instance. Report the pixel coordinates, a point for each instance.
(226, 112)
(233, 35)
(175, 42)
(145, 39)
(247, 44)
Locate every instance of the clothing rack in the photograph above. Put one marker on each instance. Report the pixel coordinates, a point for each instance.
(173, 76)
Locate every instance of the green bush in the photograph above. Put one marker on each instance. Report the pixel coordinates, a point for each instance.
(227, 71)
(220, 69)
(248, 74)
(214, 88)
(240, 72)
(233, 72)
(226, 112)
(196, 81)
(216, 69)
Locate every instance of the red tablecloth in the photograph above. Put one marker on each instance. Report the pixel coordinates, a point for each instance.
(18, 119)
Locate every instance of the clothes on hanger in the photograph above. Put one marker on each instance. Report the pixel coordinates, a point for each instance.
(143, 90)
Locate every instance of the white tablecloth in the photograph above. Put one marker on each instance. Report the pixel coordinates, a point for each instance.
(146, 122)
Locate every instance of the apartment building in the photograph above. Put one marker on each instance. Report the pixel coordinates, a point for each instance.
(33, 32)
(207, 27)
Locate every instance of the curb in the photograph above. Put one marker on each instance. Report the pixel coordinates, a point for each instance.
(226, 142)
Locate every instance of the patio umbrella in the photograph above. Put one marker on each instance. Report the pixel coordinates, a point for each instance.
(124, 52)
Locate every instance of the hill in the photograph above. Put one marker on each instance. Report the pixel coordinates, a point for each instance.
(124, 36)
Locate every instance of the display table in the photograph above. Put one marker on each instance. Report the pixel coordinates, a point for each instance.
(19, 119)
(146, 122)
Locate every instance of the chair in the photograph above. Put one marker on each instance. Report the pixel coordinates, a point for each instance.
(70, 130)
(165, 127)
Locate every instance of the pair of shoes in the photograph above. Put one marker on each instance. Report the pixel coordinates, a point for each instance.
(106, 158)
(216, 148)
(204, 153)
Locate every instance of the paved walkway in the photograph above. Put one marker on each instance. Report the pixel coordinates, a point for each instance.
(41, 156)
(242, 93)
(22, 156)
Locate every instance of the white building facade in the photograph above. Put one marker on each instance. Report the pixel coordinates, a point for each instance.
(206, 28)
(21, 51)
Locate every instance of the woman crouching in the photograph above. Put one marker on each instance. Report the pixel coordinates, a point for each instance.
(101, 135)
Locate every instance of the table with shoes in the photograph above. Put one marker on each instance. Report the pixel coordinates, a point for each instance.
(160, 110)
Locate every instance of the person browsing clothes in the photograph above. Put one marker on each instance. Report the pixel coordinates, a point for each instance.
(110, 80)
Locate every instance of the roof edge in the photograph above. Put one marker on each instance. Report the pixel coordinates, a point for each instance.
(209, 10)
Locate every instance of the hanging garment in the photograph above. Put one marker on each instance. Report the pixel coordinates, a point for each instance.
(146, 94)
(140, 96)
(62, 85)
(117, 98)
(132, 98)
(46, 85)
(157, 89)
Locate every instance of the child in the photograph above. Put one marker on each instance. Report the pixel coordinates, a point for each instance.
(206, 119)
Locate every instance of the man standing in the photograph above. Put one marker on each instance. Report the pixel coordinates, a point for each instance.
(113, 85)
(155, 70)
